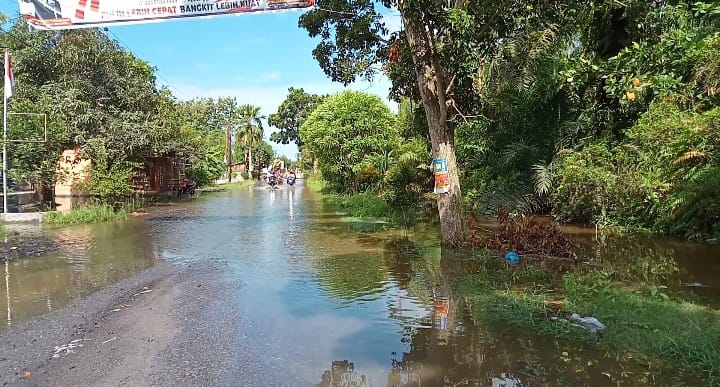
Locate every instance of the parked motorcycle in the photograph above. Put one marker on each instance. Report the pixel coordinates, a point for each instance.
(187, 187)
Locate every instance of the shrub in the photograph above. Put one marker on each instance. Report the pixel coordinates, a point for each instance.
(666, 177)
(94, 213)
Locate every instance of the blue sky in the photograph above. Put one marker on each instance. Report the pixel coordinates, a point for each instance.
(254, 58)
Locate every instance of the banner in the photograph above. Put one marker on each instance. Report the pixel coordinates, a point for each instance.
(442, 179)
(67, 14)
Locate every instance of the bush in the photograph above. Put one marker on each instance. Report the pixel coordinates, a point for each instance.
(591, 189)
(666, 177)
(244, 175)
(408, 178)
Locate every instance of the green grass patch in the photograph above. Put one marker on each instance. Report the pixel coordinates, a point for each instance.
(93, 213)
(364, 205)
(315, 182)
(641, 319)
(236, 185)
(3, 231)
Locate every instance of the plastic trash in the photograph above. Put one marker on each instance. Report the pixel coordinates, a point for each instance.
(589, 323)
(512, 258)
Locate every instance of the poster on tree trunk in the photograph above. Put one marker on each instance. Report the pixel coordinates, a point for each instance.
(68, 14)
(442, 178)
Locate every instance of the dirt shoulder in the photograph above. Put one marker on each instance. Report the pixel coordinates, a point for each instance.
(168, 325)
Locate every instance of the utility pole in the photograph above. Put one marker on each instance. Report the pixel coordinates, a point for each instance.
(228, 153)
(8, 92)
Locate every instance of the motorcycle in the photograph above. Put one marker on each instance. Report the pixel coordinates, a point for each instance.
(187, 187)
(272, 181)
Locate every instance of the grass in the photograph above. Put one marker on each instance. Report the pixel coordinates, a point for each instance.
(363, 205)
(3, 231)
(93, 213)
(236, 184)
(641, 320)
(315, 182)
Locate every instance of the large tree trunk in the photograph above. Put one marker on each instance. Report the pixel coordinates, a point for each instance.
(443, 146)
(432, 83)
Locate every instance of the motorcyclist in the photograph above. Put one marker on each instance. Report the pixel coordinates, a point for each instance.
(290, 178)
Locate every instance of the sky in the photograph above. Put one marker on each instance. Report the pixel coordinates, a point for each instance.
(254, 58)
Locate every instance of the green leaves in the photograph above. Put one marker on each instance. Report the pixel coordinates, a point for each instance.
(291, 114)
(347, 132)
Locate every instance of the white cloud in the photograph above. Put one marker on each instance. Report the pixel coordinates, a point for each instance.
(270, 76)
(268, 98)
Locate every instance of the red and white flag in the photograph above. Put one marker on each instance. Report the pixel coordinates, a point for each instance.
(9, 79)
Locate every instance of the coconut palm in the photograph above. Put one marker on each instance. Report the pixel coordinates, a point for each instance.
(250, 130)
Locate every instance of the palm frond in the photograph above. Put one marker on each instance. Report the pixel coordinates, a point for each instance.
(543, 177)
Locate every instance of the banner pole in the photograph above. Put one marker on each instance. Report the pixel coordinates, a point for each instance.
(4, 147)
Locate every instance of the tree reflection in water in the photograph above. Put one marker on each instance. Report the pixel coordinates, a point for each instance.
(342, 374)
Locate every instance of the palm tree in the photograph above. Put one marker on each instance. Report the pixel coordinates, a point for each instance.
(251, 130)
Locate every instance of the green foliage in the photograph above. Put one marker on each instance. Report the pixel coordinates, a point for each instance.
(108, 180)
(101, 99)
(664, 177)
(291, 114)
(347, 133)
(409, 177)
(94, 213)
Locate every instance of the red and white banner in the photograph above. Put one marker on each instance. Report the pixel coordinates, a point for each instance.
(9, 78)
(67, 14)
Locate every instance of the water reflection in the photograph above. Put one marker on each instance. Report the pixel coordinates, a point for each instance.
(342, 374)
(90, 257)
(7, 292)
(441, 344)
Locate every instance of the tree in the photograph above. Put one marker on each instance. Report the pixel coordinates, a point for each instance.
(98, 97)
(227, 116)
(251, 130)
(434, 59)
(291, 114)
(347, 132)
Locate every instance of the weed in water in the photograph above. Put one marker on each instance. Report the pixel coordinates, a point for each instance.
(640, 317)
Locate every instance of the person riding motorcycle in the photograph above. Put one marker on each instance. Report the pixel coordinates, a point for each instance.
(290, 178)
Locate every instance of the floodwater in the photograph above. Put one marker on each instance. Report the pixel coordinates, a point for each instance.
(339, 302)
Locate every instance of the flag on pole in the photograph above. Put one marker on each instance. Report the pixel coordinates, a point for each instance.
(9, 79)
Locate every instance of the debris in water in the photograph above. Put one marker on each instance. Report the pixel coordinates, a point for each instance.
(26, 374)
(589, 323)
(512, 258)
(695, 285)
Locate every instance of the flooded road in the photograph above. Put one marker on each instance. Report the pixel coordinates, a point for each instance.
(323, 300)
